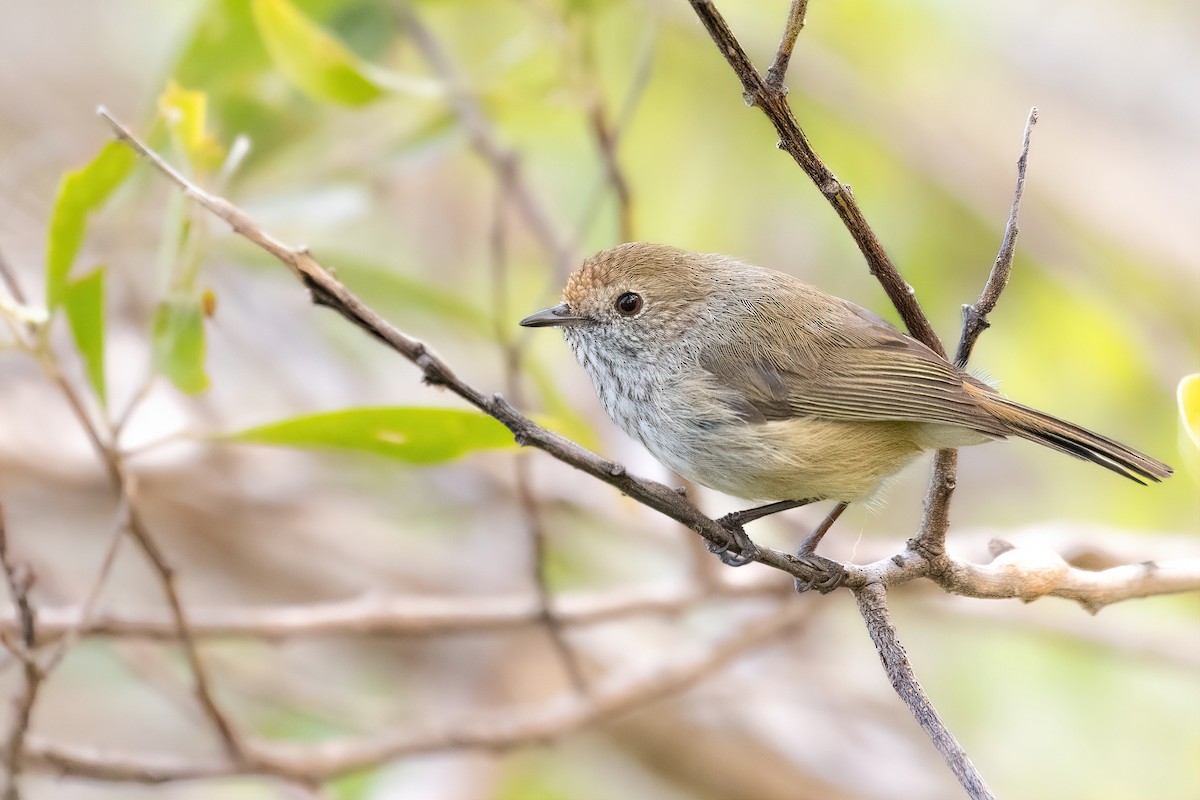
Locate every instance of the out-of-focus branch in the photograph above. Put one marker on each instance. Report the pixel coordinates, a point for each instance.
(487, 143)
(19, 579)
(387, 616)
(320, 761)
(526, 499)
(103, 443)
(328, 291)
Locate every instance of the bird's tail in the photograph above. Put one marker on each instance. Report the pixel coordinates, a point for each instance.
(1073, 440)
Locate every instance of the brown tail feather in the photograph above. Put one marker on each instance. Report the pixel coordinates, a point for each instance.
(1073, 440)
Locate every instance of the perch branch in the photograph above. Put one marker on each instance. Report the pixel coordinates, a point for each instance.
(19, 579)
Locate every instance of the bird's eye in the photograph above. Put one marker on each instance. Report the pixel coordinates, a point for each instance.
(629, 304)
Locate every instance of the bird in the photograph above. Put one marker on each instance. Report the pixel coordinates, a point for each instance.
(759, 385)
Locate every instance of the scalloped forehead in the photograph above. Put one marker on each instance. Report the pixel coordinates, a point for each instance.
(634, 265)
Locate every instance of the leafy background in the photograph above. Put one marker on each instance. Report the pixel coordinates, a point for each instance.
(355, 151)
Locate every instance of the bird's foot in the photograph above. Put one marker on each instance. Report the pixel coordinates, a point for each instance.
(825, 574)
(747, 550)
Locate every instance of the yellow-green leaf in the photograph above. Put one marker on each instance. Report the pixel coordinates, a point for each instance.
(310, 58)
(83, 302)
(179, 344)
(80, 193)
(1188, 395)
(186, 114)
(412, 434)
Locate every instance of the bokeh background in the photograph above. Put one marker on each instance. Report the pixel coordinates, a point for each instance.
(919, 106)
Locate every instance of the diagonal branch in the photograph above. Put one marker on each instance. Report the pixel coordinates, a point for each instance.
(328, 291)
(772, 101)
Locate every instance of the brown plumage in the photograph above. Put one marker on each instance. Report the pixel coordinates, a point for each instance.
(757, 384)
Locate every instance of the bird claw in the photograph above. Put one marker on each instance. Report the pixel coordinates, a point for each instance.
(827, 575)
(747, 550)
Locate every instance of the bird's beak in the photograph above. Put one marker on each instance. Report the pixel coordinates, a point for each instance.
(559, 316)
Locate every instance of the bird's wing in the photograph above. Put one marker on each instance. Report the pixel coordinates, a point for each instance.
(860, 368)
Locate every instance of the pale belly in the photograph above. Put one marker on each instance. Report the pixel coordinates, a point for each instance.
(793, 459)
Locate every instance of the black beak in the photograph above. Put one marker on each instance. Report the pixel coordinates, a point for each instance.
(559, 316)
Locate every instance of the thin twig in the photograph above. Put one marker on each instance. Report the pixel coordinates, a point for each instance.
(328, 291)
(975, 315)
(19, 579)
(123, 484)
(773, 102)
(872, 604)
(314, 762)
(787, 43)
(391, 617)
(87, 609)
(524, 487)
(486, 141)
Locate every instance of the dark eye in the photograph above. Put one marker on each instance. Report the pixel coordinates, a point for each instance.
(629, 304)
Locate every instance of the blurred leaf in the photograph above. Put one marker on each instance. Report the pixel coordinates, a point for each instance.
(1188, 395)
(312, 59)
(83, 302)
(80, 193)
(415, 435)
(186, 115)
(392, 289)
(179, 344)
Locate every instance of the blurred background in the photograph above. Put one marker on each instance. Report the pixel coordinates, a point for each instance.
(366, 146)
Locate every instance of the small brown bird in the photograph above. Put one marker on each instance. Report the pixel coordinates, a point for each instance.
(754, 383)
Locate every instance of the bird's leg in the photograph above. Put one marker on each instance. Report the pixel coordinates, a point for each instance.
(827, 574)
(747, 549)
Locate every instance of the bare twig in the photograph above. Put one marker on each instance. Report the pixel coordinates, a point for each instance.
(787, 43)
(524, 486)
(401, 616)
(87, 609)
(123, 484)
(19, 579)
(872, 604)
(975, 315)
(486, 142)
(772, 100)
(328, 291)
(310, 762)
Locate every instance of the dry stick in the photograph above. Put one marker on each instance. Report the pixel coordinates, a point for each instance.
(19, 579)
(524, 488)
(872, 604)
(158, 561)
(772, 100)
(771, 97)
(486, 142)
(328, 291)
(313, 762)
(418, 616)
(787, 43)
(975, 316)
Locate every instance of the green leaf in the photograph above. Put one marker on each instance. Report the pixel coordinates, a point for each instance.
(186, 115)
(179, 343)
(80, 193)
(310, 58)
(414, 435)
(1188, 395)
(83, 302)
